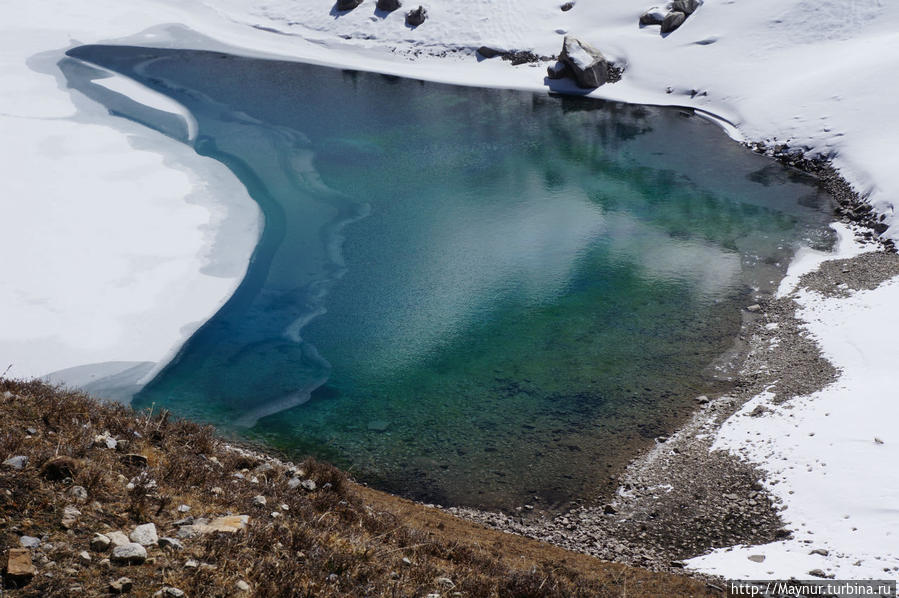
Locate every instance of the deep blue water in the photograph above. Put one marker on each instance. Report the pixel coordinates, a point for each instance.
(469, 296)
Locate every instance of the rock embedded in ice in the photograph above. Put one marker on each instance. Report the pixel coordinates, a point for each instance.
(673, 20)
(416, 17)
(588, 66)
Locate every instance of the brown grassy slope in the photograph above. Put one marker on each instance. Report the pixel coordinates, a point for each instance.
(341, 539)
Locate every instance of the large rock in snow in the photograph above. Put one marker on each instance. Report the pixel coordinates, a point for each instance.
(653, 16)
(416, 17)
(389, 5)
(585, 63)
(672, 21)
(347, 4)
(688, 7)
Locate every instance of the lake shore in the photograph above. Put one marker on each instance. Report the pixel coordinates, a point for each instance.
(850, 123)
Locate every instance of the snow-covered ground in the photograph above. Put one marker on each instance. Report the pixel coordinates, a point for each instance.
(111, 233)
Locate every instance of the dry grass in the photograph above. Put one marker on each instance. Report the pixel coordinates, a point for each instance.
(340, 540)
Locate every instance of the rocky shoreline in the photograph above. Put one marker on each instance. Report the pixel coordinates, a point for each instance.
(681, 499)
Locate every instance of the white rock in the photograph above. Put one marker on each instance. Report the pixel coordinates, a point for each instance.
(129, 554)
(145, 535)
(117, 538)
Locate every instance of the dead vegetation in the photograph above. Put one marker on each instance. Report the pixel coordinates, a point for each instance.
(97, 468)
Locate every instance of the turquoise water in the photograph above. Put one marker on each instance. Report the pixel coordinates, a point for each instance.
(463, 295)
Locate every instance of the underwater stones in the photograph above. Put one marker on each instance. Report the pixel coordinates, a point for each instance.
(586, 64)
(378, 425)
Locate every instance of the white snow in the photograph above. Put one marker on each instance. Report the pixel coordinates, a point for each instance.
(831, 456)
(109, 231)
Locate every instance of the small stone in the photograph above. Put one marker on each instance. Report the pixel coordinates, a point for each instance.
(145, 535)
(17, 462)
(756, 558)
(259, 501)
(129, 554)
(567, 6)
(172, 543)
(343, 5)
(122, 585)
(117, 538)
(445, 581)
(242, 586)
(378, 425)
(609, 510)
(183, 508)
(19, 568)
(817, 573)
(29, 542)
(407, 562)
(169, 592)
(877, 440)
(78, 493)
(191, 564)
(134, 460)
(754, 308)
(84, 556)
(333, 578)
(308, 485)
(229, 524)
(70, 516)
(100, 543)
(294, 482)
(820, 551)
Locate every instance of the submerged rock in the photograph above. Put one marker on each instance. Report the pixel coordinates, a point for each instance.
(416, 17)
(378, 425)
(586, 64)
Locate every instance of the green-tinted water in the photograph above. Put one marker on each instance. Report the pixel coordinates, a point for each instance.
(468, 296)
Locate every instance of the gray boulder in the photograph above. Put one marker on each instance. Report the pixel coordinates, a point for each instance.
(389, 5)
(17, 462)
(145, 535)
(672, 21)
(129, 554)
(586, 64)
(416, 17)
(347, 4)
(653, 16)
(688, 7)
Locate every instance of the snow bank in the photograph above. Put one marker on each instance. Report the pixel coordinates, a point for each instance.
(831, 457)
